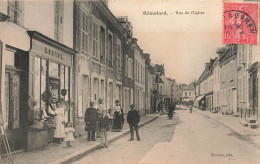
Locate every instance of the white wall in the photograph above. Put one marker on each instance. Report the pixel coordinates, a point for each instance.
(39, 16)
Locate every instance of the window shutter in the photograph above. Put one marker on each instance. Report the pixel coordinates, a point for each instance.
(89, 30)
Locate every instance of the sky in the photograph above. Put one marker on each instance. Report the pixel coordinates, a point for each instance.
(183, 43)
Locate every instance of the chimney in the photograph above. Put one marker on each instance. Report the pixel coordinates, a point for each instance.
(206, 66)
(220, 51)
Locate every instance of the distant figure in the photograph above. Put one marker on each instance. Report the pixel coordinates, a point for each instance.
(133, 119)
(159, 107)
(190, 107)
(171, 110)
(91, 121)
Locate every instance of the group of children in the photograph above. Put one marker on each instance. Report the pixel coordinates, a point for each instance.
(103, 126)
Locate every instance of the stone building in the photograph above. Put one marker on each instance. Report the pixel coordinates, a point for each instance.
(35, 60)
(228, 80)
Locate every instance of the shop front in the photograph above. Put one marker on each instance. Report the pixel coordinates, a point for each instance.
(14, 46)
(49, 81)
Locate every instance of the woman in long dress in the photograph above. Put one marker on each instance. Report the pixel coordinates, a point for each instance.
(59, 131)
(117, 122)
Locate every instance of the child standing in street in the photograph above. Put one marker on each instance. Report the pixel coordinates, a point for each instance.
(69, 130)
(103, 125)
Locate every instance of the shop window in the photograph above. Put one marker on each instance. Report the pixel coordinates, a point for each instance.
(37, 83)
(7, 99)
(53, 70)
(62, 82)
(43, 82)
(66, 98)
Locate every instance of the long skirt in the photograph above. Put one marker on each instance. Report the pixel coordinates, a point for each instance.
(117, 123)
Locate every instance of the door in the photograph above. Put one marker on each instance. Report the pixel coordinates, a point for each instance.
(234, 96)
(13, 111)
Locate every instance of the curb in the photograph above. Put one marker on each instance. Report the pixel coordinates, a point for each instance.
(77, 155)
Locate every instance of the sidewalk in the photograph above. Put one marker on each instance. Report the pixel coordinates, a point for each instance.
(232, 123)
(59, 153)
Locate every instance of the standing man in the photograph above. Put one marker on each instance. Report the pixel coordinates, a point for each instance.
(91, 121)
(133, 119)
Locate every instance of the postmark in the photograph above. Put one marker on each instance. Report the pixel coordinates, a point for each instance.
(240, 23)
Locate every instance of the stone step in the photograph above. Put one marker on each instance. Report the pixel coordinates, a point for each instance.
(254, 125)
(243, 122)
(251, 120)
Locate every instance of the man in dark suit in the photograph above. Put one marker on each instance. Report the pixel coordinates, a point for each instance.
(133, 119)
(91, 121)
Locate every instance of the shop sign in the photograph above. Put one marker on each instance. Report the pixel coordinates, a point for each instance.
(52, 53)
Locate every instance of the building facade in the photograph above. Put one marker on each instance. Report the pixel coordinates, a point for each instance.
(37, 64)
(139, 78)
(228, 80)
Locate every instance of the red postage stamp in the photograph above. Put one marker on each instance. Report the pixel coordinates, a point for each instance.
(240, 23)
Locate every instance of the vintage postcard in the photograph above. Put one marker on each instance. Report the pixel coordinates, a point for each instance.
(129, 81)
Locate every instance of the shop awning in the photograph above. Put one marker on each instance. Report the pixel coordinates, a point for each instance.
(199, 98)
(14, 35)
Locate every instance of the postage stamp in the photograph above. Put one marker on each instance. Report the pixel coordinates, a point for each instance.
(240, 23)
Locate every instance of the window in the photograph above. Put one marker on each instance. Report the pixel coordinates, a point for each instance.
(126, 65)
(95, 42)
(231, 68)
(141, 74)
(102, 44)
(244, 47)
(239, 56)
(244, 88)
(110, 51)
(189, 93)
(130, 68)
(84, 32)
(14, 10)
(185, 93)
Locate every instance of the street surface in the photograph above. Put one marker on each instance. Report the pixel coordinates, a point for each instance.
(196, 139)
